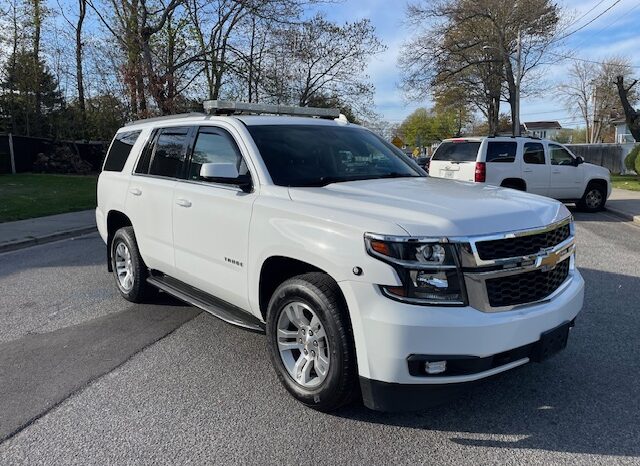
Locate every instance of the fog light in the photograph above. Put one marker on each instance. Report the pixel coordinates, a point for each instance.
(435, 367)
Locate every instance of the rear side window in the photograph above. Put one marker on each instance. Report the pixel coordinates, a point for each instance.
(499, 151)
(457, 151)
(534, 153)
(169, 152)
(120, 150)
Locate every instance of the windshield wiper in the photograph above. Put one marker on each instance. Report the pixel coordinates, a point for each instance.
(398, 175)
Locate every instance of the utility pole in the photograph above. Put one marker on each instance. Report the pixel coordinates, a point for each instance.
(518, 79)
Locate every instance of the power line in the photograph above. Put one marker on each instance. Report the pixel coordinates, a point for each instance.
(582, 16)
(625, 15)
(569, 57)
(588, 22)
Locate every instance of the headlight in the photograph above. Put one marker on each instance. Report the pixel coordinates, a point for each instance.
(428, 269)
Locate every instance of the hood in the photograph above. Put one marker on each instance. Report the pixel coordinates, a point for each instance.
(428, 206)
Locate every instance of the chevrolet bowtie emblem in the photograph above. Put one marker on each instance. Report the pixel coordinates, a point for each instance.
(549, 261)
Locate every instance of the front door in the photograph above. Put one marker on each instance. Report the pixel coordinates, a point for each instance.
(211, 222)
(535, 168)
(566, 180)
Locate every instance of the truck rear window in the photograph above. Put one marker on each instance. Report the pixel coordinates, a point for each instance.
(120, 150)
(458, 151)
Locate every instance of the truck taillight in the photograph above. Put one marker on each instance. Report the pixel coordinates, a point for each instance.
(481, 172)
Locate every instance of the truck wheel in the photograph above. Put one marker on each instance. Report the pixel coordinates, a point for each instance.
(129, 269)
(593, 199)
(311, 341)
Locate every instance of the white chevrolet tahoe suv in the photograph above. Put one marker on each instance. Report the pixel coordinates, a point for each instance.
(534, 165)
(368, 277)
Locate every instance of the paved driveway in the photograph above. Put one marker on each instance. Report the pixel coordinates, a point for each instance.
(86, 378)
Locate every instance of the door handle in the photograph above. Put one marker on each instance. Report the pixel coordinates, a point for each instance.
(555, 171)
(528, 170)
(135, 191)
(183, 203)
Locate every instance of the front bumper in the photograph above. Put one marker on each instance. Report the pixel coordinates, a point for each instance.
(387, 333)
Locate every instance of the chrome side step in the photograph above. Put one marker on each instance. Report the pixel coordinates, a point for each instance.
(218, 308)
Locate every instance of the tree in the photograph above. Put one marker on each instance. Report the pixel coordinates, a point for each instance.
(319, 57)
(590, 92)
(424, 127)
(632, 116)
(34, 96)
(470, 44)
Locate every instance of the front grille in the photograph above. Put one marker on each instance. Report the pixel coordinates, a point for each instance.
(523, 245)
(527, 287)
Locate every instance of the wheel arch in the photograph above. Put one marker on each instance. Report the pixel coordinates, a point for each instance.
(277, 269)
(514, 183)
(115, 220)
(596, 182)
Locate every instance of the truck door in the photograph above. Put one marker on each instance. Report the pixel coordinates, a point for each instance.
(566, 174)
(211, 221)
(536, 168)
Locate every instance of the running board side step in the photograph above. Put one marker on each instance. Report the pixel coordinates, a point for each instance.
(218, 308)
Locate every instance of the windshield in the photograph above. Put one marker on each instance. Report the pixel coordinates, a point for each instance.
(314, 155)
(457, 151)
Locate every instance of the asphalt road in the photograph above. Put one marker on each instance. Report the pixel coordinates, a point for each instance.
(87, 378)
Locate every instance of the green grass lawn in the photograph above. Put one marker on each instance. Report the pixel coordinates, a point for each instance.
(630, 182)
(28, 195)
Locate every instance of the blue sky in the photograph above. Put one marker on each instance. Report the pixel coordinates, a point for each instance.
(614, 33)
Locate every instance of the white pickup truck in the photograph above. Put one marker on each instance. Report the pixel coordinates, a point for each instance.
(534, 165)
(368, 277)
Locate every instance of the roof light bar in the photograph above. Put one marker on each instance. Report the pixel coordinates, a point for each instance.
(228, 107)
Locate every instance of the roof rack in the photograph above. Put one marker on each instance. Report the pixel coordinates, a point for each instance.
(165, 117)
(228, 107)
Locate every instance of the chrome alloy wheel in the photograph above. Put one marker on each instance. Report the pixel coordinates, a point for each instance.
(124, 267)
(593, 199)
(303, 344)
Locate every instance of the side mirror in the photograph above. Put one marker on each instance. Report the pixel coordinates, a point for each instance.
(225, 173)
(579, 160)
(219, 171)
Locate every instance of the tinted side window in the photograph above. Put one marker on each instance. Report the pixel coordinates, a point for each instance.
(534, 153)
(120, 150)
(215, 145)
(498, 151)
(560, 155)
(169, 152)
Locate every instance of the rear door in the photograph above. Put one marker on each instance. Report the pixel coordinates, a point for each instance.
(566, 175)
(535, 168)
(501, 161)
(455, 159)
(150, 196)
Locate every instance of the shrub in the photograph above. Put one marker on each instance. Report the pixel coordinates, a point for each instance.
(631, 160)
(62, 160)
(636, 150)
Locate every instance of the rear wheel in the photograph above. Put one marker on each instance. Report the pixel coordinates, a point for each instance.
(129, 270)
(311, 343)
(593, 199)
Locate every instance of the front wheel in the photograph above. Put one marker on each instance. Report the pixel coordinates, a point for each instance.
(311, 342)
(593, 199)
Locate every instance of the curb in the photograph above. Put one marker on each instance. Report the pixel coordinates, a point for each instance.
(35, 240)
(619, 213)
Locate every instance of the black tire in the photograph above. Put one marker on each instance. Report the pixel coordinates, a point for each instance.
(139, 291)
(321, 293)
(593, 199)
